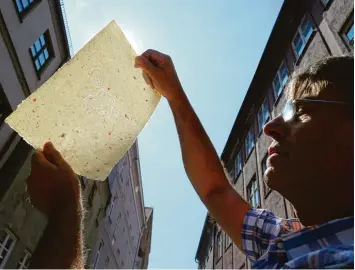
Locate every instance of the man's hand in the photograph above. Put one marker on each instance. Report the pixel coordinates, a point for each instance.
(159, 72)
(52, 184)
(54, 190)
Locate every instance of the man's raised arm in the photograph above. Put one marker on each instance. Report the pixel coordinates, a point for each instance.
(201, 161)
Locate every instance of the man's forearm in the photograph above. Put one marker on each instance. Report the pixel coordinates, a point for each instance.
(201, 161)
(61, 245)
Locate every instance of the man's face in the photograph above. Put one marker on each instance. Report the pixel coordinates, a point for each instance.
(306, 151)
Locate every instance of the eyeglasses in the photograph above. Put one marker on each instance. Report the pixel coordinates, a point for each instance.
(290, 109)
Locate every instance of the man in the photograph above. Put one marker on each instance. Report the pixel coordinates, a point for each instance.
(310, 163)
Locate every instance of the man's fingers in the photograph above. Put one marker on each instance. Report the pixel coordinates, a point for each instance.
(39, 160)
(147, 66)
(155, 56)
(53, 155)
(147, 79)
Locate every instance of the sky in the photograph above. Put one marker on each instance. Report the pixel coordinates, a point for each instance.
(216, 47)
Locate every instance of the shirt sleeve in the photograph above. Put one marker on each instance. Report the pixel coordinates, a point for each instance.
(260, 226)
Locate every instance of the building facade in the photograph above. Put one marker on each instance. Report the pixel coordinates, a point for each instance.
(33, 45)
(125, 233)
(305, 31)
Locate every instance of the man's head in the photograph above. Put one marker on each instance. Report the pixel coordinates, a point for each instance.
(312, 154)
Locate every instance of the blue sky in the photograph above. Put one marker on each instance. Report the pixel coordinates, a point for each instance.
(216, 47)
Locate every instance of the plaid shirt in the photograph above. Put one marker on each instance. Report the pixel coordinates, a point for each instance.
(272, 242)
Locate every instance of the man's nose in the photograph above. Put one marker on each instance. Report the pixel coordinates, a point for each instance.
(276, 128)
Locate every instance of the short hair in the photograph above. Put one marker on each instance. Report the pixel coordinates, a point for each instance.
(331, 73)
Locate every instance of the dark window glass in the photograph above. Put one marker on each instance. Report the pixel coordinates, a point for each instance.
(40, 51)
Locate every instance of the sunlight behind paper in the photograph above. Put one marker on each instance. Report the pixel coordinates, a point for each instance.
(93, 108)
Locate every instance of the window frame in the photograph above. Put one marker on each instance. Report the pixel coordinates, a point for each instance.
(267, 190)
(282, 86)
(97, 257)
(305, 42)
(345, 29)
(247, 153)
(227, 241)
(25, 11)
(249, 187)
(219, 245)
(107, 261)
(261, 125)
(27, 257)
(8, 234)
(91, 195)
(47, 46)
(240, 156)
(112, 206)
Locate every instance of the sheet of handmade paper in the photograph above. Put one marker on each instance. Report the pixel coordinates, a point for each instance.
(92, 108)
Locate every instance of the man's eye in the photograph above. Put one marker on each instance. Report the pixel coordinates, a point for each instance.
(299, 111)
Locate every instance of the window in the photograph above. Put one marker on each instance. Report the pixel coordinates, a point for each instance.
(219, 245)
(25, 261)
(113, 241)
(83, 180)
(253, 193)
(98, 253)
(263, 115)
(5, 108)
(303, 34)
(228, 241)
(325, 2)
(348, 33)
(91, 195)
(7, 243)
(238, 163)
(280, 80)
(263, 169)
(249, 142)
(107, 260)
(24, 6)
(112, 205)
(41, 52)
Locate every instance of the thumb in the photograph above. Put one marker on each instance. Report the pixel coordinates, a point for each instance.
(53, 155)
(147, 66)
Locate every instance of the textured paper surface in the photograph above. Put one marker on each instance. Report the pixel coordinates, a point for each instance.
(93, 108)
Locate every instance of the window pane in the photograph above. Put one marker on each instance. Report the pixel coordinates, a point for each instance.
(19, 5)
(238, 163)
(277, 85)
(283, 74)
(8, 243)
(46, 55)
(33, 50)
(257, 203)
(306, 29)
(38, 66)
(38, 45)
(265, 111)
(42, 40)
(42, 59)
(298, 44)
(25, 3)
(350, 33)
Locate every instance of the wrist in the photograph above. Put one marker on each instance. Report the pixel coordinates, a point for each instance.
(177, 99)
(72, 211)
